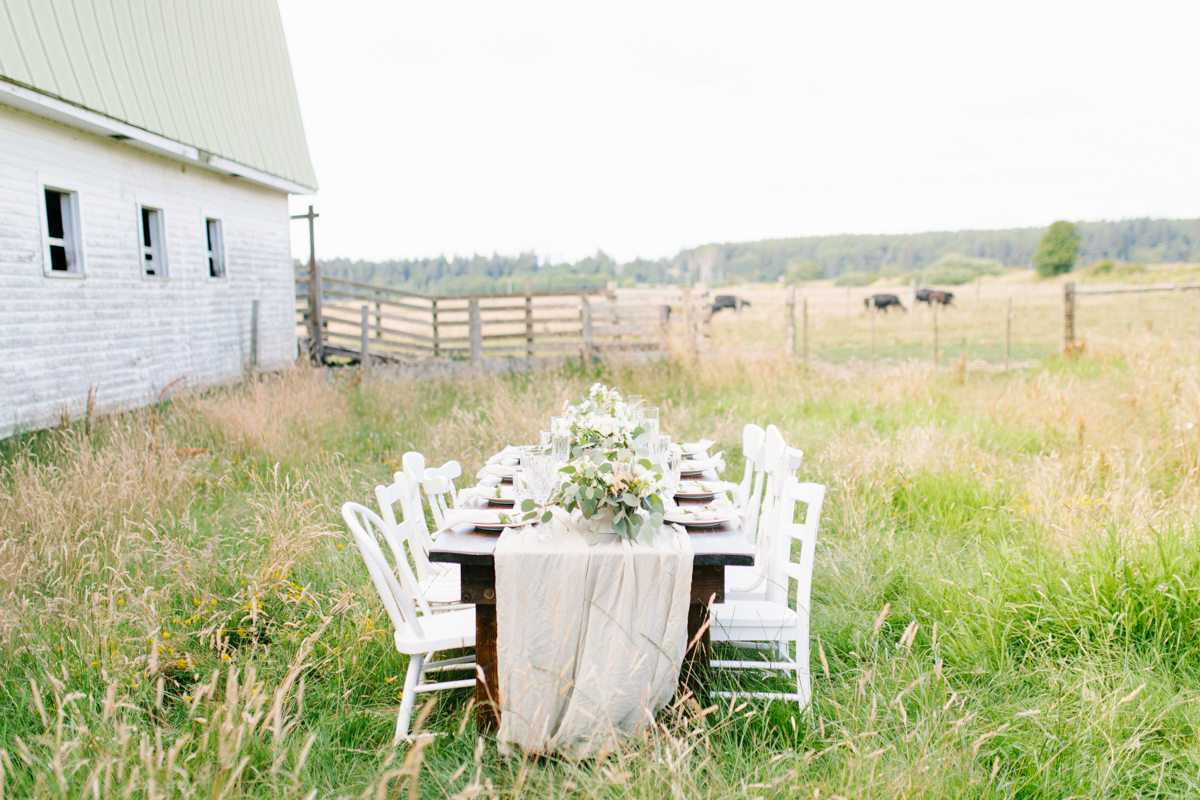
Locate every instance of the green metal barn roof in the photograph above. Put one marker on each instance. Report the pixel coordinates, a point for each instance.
(212, 75)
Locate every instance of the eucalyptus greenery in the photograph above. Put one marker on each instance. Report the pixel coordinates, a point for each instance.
(609, 482)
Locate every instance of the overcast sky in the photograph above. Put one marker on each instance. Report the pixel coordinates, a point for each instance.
(643, 128)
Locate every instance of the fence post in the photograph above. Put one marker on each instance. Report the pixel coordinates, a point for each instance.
(378, 316)
(1068, 318)
(804, 326)
(476, 324)
(254, 334)
(664, 323)
(316, 324)
(872, 309)
(437, 348)
(790, 350)
(529, 317)
(585, 318)
(365, 354)
(689, 338)
(934, 308)
(1008, 333)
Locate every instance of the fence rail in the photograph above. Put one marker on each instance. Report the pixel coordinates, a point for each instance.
(366, 322)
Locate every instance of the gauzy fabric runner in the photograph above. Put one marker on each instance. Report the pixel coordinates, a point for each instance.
(591, 632)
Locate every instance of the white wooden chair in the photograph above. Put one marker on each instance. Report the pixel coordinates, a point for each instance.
(440, 584)
(749, 491)
(438, 485)
(773, 620)
(418, 633)
(780, 463)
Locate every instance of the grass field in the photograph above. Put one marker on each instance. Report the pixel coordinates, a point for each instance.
(1006, 596)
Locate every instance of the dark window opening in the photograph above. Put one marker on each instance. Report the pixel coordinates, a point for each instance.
(58, 258)
(153, 258)
(54, 215)
(61, 230)
(216, 248)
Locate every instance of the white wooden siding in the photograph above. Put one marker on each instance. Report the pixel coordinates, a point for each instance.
(127, 335)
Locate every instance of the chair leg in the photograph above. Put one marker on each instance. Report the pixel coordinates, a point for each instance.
(408, 698)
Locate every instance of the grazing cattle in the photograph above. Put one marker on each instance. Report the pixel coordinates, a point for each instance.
(883, 302)
(932, 296)
(727, 301)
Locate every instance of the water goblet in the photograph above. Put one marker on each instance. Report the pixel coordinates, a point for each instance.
(672, 467)
(649, 420)
(561, 449)
(545, 438)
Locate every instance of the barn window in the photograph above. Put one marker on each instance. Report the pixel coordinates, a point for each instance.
(154, 262)
(62, 232)
(216, 248)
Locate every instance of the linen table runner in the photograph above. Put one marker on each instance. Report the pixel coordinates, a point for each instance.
(591, 633)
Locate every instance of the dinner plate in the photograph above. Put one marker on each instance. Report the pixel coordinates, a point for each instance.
(692, 473)
(696, 490)
(687, 517)
(496, 527)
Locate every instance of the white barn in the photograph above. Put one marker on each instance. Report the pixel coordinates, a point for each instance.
(147, 150)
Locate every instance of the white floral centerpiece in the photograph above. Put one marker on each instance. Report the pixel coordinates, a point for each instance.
(602, 420)
(612, 486)
(603, 481)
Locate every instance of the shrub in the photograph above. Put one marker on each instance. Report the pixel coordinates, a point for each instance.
(805, 271)
(854, 279)
(954, 269)
(1058, 249)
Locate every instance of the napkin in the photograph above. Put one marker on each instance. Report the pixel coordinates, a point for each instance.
(482, 491)
(473, 516)
(508, 457)
(714, 463)
(697, 447)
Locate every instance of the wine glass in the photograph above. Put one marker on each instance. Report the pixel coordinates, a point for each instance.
(672, 466)
(659, 447)
(545, 438)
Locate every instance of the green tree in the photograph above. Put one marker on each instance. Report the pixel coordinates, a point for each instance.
(1058, 249)
(805, 271)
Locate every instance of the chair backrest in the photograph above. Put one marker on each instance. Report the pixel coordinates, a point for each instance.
(438, 484)
(396, 584)
(407, 493)
(750, 489)
(786, 563)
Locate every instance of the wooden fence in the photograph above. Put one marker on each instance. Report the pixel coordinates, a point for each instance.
(1071, 293)
(364, 322)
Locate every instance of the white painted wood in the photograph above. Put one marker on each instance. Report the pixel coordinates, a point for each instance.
(109, 327)
(418, 633)
(784, 616)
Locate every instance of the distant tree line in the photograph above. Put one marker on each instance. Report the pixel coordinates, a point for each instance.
(1140, 240)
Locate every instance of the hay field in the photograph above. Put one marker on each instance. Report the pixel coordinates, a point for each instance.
(1006, 593)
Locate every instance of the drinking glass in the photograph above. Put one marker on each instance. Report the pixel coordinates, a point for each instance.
(631, 404)
(650, 420)
(537, 469)
(545, 438)
(659, 447)
(520, 490)
(561, 449)
(557, 426)
(672, 465)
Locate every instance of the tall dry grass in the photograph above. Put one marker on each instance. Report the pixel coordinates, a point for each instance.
(1006, 589)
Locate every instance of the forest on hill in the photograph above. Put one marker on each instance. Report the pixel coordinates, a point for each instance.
(1139, 240)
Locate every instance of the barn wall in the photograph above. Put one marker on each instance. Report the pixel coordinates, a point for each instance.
(130, 337)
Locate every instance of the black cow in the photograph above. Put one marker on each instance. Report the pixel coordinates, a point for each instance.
(883, 302)
(932, 296)
(727, 301)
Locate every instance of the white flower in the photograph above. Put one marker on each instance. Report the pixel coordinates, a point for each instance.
(605, 427)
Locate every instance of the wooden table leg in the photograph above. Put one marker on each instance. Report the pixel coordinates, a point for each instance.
(708, 586)
(479, 587)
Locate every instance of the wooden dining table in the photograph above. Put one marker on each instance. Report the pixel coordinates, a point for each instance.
(713, 549)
